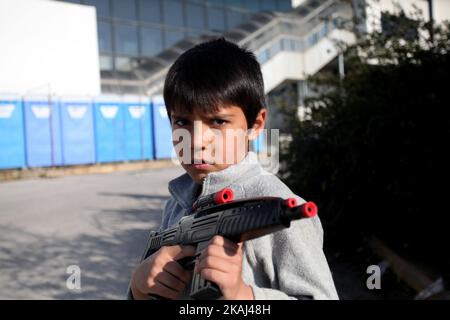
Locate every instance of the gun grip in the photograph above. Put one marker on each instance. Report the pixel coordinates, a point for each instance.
(202, 289)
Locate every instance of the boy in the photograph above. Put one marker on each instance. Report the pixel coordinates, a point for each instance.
(212, 89)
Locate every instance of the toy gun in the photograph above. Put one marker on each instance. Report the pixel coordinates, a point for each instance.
(238, 220)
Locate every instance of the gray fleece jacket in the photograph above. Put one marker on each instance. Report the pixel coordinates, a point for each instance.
(288, 264)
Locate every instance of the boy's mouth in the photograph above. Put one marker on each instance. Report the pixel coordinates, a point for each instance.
(201, 164)
(201, 161)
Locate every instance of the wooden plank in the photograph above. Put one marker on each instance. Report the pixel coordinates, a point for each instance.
(405, 270)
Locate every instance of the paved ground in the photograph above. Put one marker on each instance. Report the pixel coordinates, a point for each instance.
(97, 222)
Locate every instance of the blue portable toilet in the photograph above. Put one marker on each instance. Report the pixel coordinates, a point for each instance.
(260, 143)
(162, 130)
(42, 131)
(77, 120)
(138, 128)
(109, 129)
(12, 141)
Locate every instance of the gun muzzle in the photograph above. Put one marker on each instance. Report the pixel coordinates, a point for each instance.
(220, 197)
(223, 196)
(295, 212)
(308, 209)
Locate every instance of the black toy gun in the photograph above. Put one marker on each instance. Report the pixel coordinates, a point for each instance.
(238, 220)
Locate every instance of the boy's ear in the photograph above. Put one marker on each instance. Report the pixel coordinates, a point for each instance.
(258, 125)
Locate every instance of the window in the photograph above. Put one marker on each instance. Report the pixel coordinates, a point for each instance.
(286, 45)
(104, 36)
(102, 7)
(268, 5)
(298, 45)
(173, 13)
(263, 56)
(216, 19)
(275, 48)
(150, 11)
(234, 18)
(126, 39)
(219, 2)
(252, 5)
(323, 30)
(195, 16)
(171, 37)
(234, 3)
(284, 5)
(151, 41)
(106, 63)
(312, 39)
(194, 34)
(124, 9)
(123, 64)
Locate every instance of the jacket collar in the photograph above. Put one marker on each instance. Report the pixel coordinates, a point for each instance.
(185, 190)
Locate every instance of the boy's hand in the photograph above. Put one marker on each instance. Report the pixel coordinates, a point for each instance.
(221, 263)
(161, 274)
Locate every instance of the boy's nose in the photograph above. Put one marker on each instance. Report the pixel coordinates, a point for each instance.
(203, 136)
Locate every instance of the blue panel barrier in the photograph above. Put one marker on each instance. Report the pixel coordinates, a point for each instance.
(162, 129)
(138, 129)
(77, 131)
(109, 129)
(12, 141)
(260, 142)
(42, 132)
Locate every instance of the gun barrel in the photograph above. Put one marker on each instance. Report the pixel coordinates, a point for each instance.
(305, 210)
(220, 197)
(309, 209)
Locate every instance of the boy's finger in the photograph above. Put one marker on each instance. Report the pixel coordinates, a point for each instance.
(180, 252)
(170, 281)
(176, 270)
(221, 241)
(212, 262)
(218, 251)
(163, 291)
(216, 276)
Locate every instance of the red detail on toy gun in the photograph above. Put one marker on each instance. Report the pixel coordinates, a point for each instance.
(220, 197)
(308, 209)
(290, 202)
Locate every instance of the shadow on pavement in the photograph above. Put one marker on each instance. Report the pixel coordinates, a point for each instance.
(33, 266)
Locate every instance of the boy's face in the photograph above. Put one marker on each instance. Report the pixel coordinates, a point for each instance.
(207, 143)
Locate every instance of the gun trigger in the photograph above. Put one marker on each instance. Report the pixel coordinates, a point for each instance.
(187, 263)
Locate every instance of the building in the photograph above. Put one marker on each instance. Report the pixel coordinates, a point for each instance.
(93, 48)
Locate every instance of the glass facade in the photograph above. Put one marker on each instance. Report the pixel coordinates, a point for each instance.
(129, 29)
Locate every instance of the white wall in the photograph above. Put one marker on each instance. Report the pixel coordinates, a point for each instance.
(48, 44)
(298, 65)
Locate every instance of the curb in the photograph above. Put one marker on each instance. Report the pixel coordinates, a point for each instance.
(56, 172)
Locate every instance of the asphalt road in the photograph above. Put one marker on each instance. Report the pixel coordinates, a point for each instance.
(99, 223)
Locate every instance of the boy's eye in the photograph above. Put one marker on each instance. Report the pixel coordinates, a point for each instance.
(219, 122)
(180, 122)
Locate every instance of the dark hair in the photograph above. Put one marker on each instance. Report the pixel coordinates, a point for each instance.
(215, 74)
